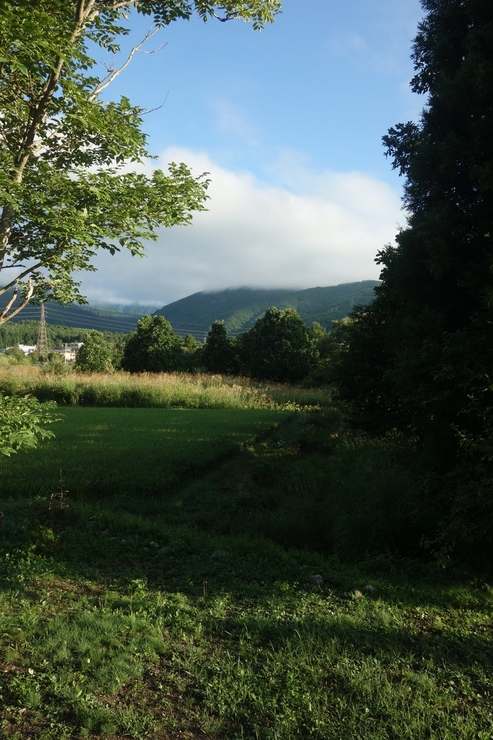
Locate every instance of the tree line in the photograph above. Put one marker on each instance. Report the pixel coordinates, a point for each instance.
(279, 347)
(26, 332)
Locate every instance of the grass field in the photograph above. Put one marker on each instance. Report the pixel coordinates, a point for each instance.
(120, 452)
(155, 592)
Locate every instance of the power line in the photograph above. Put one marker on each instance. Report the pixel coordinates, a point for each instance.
(56, 316)
(77, 322)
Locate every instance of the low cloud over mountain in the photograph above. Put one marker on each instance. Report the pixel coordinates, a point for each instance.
(309, 228)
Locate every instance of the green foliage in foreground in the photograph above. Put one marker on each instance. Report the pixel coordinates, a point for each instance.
(21, 422)
(125, 615)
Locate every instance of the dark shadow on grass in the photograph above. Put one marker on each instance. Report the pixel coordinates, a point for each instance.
(79, 545)
(384, 643)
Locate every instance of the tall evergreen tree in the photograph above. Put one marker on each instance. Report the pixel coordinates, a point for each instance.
(217, 355)
(421, 358)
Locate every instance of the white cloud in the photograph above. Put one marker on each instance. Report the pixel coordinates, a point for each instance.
(312, 229)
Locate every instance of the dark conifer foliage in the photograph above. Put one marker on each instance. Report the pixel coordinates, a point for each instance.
(421, 359)
(218, 353)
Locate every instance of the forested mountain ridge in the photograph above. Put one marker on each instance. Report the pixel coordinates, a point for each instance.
(239, 308)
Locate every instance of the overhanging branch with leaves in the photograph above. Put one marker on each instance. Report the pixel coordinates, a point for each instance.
(63, 191)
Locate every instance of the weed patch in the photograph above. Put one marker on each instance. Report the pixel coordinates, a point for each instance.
(159, 390)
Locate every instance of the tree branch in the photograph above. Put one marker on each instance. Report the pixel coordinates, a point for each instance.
(226, 18)
(4, 313)
(158, 107)
(15, 281)
(113, 73)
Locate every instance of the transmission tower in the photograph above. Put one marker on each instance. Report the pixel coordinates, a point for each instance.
(42, 343)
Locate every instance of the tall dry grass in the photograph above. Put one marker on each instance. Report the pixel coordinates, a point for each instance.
(161, 390)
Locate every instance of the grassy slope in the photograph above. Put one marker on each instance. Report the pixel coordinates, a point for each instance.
(172, 616)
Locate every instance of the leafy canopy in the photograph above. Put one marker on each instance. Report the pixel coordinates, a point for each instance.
(64, 192)
(153, 348)
(218, 352)
(95, 354)
(278, 347)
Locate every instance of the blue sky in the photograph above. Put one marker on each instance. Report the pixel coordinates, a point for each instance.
(289, 124)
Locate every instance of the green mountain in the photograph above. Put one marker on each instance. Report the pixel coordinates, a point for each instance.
(240, 308)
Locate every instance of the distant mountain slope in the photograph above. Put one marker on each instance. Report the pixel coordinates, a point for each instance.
(240, 308)
(80, 317)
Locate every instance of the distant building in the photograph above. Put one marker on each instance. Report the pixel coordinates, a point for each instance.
(28, 349)
(68, 351)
